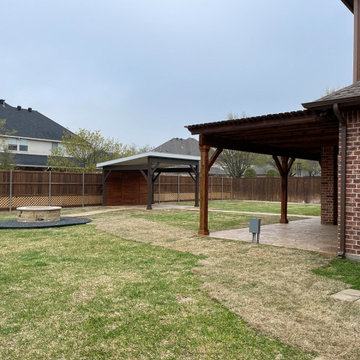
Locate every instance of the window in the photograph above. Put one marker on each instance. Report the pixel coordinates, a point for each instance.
(23, 146)
(12, 144)
(54, 146)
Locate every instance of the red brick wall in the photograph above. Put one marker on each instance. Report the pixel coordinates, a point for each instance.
(328, 188)
(352, 215)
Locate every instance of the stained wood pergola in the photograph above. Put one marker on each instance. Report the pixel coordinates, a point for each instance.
(285, 136)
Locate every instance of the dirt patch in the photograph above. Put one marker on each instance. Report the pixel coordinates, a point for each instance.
(272, 288)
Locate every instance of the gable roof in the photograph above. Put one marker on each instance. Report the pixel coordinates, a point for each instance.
(349, 95)
(187, 146)
(30, 123)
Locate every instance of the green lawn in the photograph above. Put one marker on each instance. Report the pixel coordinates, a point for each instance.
(79, 293)
(344, 270)
(261, 206)
(190, 219)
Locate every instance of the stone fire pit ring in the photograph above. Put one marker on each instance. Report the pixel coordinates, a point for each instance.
(38, 213)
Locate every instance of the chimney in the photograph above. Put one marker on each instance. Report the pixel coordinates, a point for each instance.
(18, 107)
(29, 109)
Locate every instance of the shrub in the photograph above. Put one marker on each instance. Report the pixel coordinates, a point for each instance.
(272, 173)
(250, 173)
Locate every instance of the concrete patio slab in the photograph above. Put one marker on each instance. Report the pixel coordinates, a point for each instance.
(306, 234)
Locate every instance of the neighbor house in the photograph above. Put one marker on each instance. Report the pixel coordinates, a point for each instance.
(189, 146)
(31, 135)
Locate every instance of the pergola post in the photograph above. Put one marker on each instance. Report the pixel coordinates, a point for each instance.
(204, 189)
(284, 169)
(197, 186)
(149, 186)
(284, 192)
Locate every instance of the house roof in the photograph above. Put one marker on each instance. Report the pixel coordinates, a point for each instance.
(29, 160)
(349, 4)
(30, 123)
(141, 160)
(189, 146)
(347, 96)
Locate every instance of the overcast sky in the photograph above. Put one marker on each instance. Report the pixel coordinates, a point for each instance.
(140, 70)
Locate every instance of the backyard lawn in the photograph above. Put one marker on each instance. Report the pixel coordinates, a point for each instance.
(138, 284)
(260, 206)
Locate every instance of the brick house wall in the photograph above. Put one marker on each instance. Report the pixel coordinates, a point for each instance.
(328, 188)
(352, 214)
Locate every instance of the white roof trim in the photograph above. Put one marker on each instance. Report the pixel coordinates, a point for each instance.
(145, 156)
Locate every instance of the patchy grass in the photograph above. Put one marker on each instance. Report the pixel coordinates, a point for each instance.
(272, 288)
(261, 206)
(344, 270)
(81, 293)
(190, 219)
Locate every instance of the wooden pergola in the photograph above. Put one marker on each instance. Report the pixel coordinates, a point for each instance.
(285, 136)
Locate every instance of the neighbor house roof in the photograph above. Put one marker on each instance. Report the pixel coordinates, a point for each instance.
(189, 146)
(347, 96)
(29, 160)
(141, 160)
(30, 123)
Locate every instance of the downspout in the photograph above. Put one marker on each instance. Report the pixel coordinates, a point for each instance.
(342, 121)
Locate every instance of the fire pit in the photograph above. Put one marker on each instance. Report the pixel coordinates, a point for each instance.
(38, 213)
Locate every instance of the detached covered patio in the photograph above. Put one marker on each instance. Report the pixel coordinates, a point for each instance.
(130, 180)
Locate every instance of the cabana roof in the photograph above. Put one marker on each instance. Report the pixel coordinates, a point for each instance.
(140, 161)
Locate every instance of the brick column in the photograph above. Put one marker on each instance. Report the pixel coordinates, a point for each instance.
(352, 214)
(328, 189)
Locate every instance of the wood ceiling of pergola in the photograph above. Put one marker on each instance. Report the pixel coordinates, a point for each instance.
(299, 134)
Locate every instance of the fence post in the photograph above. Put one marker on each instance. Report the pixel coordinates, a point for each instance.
(231, 188)
(49, 188)
(178, 190)
(10, 191)
(83, 190)
(222, 188)
(159, 195)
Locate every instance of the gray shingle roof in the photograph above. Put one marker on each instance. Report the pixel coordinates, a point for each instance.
(30, 124)
(349, 4)
(187, 146)
(347, 95)
(30, 160)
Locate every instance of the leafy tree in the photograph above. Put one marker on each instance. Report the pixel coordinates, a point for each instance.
(306, 167)
(250, 173)
(236, 162)
(272, 173)
(6, 156)
(84, 149)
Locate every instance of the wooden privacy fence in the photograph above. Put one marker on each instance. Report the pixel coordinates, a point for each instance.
(31, 188)
(36, 188)
(180, 188)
